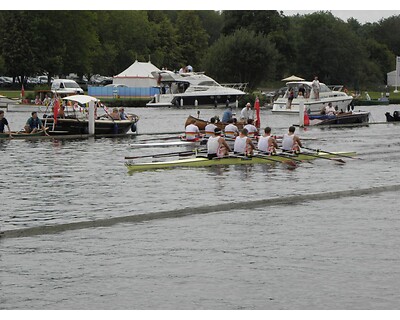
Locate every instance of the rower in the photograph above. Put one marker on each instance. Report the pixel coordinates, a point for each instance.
(209, 129)
(217, 146)
(251, 129)
(4, 123)
(243, 144)
(267, 143)
(192, 131)
(291, 142)
(231, 130)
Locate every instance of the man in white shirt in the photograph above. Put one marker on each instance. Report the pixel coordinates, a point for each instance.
(231, 130)
(315, 87)
(210, 128)
(330, 110)
(247, 113)
(251, 129)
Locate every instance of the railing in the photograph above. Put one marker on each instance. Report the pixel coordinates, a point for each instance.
(239, 85)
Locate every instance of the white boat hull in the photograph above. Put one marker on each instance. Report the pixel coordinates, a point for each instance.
(281, 104)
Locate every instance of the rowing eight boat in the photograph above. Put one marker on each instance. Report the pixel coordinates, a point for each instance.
(231, 160)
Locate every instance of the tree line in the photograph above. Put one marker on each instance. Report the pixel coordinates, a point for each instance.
(257, 47)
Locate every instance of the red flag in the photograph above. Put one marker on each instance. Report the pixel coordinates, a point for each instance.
(56, 108)
(257, 108)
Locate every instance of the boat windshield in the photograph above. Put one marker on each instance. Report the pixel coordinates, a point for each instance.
(208, 83)
(324, 88)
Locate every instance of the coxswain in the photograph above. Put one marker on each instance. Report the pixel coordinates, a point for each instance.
(210, 128)
(251, 129)
(192, 132)
(217, 146)
(243, 144)
(291, 142)
(231, 130)
(267, 143)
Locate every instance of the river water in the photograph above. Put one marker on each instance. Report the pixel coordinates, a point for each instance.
(79, 232)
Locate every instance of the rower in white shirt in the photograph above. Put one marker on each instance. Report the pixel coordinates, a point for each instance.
(231, 130)
(192, 132)
(209, 129)
(267, 142)
(251, 129)
(243, 144)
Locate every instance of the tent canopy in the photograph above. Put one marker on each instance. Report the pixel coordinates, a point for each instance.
(293, 78)
(137, 75)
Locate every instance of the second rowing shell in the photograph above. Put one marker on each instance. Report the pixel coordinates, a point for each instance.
(165, 144)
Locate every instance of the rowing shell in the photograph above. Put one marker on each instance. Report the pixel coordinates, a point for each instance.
(165, 144)
(232, 160)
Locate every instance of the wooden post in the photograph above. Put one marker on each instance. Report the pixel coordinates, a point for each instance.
(91, 118)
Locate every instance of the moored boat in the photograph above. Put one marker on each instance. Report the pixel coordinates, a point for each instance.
(233, 160)
(283, 104)
(359, 117)
(75, 120)
(193, 89)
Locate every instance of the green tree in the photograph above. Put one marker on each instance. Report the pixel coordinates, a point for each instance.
(387, 32)
(242, 57)
(19, 48)
(192, 38)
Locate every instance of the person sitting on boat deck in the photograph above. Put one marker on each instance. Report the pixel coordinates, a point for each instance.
(291, 142)
(302, 90)
(267, 142)
(122, 114)
(4, 123)
(217, 146)
(210, 128)
(227, 115)
(251, 129)
(243, 144)
(330, 110)
(192, 132)
(247, 113)
(115, 114)
(34, 123)
(37, 100)
(231, 130)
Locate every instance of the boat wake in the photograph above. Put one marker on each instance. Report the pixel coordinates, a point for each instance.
(138, 218)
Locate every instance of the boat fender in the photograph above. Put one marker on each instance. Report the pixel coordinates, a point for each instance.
(133, 127)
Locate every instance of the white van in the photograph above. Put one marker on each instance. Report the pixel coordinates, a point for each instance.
(66, 86)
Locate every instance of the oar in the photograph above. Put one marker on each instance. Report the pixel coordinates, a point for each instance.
(182, 153)
(339, 155)
(163, 138)
(288, 161)
(322, 157)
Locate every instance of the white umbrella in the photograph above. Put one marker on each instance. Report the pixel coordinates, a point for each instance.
(293, 78)
(80, 98)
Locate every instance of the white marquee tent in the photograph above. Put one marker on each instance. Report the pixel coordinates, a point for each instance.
(138, 75)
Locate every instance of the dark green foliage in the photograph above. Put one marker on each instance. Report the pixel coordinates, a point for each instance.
(232, 46)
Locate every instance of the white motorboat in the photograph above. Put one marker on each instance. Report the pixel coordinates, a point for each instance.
(337, 97)
(193, 89)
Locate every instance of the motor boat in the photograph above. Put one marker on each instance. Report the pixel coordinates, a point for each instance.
(338, 98)
(193, 89)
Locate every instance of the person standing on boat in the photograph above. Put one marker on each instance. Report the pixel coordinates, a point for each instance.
(4, 123)
(291, 142)
(267, 142)
(316, 87)
(217, 146)
(251, 129)
(192, 132)
(34, 123)
(210, 128)
(243, 144)
(247, 113)
(231, 130)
